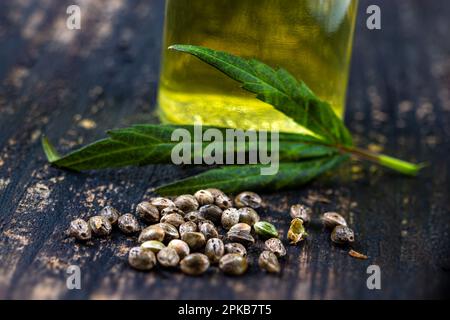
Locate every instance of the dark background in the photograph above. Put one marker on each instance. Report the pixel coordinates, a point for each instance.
(73, 85)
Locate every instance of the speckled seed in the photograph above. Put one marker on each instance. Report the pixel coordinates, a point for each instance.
(186, 202)
(111, 214)
(171, 232)
(248, 199)
(153, 246)
(342, 235)
(214, 250)
(209, 231)
(229, 218)
(211, 212)
(248, 216)
(237, 248)
(223, 201)
(242, 237)
(173, 218)
(265, 230)
(194, 264)
(168, 257)
(141, 259)
(195, 240)
(193, 216)
(180, 247)
(170, 210)
(302, 212)
(162, 203)
(100, 226)
(241, 227)
(296, 231)
(333, 219)
(215, 192)
(154, 232)
(268, 261)
(189, 226)
(204, 197)
(147, 212)
(128, 224)
(80, 230)
(276, 246)
(233, 264)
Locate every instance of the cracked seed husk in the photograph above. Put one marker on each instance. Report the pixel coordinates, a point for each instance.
(186, 203)
(168, 257)
(342, 235)
(195, 240)
(301, 212)
(111, 214)
(276, 246)
(204, 197)
(141, 259)
(100, 226)
(147, 212)
(296, 231)
(194, 264)
(80, 230)
(265, 229)
(333, 219)
(248, 215)
(233, 264)
(153, 246)
(214, 250)
(248, 199)
(154, 232)
(237, 248)
(128, 224)
(230, 217)
(180, 247)
(268, 261)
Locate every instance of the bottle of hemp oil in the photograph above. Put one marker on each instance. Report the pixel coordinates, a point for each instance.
(311, 39)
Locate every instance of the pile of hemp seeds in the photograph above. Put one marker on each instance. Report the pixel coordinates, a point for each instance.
(193, 232)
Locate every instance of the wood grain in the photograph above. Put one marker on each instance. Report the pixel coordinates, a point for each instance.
(73, 85)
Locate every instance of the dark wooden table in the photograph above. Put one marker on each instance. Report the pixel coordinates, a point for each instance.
(73, 85)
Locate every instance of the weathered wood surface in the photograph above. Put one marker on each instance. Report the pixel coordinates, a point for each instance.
(73, 85)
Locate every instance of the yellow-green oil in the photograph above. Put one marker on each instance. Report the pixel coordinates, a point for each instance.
(312, 39)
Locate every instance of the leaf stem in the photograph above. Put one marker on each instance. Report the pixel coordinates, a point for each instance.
(402, 166)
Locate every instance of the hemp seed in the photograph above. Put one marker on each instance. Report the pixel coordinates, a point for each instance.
(233, 264)
(154, 232)
(204, 197)
(174, 219)
(153, 246)
(248, 199)
(186, 203)
(79, 229)
(237, 248)
(141, 259)
(180, 247)
(268, 261)
(302, 212)
(211, 212)
(162, 203)
(248, 216)
(342, 235)
(168, 257)
(214, 250)
(195, 240)
(229, 218)
(111, 214)
(333, 219)
(100, 226)
(276, 246)
(189, 226)
(128, 224)
(147, 212)
(194, 264)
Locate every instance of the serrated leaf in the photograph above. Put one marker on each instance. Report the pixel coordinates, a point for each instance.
(151, 144)
(279, 89)
(238, 178)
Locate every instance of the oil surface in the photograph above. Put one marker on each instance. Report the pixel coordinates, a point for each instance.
(312, 39)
